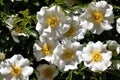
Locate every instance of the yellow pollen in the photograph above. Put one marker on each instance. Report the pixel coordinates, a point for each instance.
(52, 21)
(18, 29)
(48, 72)
(70, 32)
(97, 16)
(47, 50)
(68, 54)
(96, 56)
(16, 71)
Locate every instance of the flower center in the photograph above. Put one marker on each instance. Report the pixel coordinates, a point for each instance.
(18, 30)
(70, 32)
(97, 16)
(48, 72)
(47, 50)
(52, 21)
(68, 54)
(96, 56)
(16, 71)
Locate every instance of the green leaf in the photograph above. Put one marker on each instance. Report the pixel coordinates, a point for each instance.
(1, 78)
(25, 13)
(114, 73)
(1, 2)
(18, 20)
(69, 77)
(34, 34)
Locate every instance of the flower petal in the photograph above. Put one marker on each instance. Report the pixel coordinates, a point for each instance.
(27, 71)
(86, 25)
(105, 25)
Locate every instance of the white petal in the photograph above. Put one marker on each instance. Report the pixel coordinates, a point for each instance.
(36, 46)
(105, 25)
(98, 30)
(66, 27)
(27, 71)
(22, 34)
(88, 49)
(15, 58)
(79, 55)
(55, 8)
(58, 49)
(108, 13)
(70, 67)
(47, 58)
(5, 70)
(10, 22)
(75, 45)
(99, 46)
(86, 25)
(39, 27)
(23, 62)
(118, 25)
(91, 6)
(98, 67)
(107, 56)
(61, 65)
(86, 57)
(118, 49)
(42, 11)
(15, 37)
(14, 78)
(118, 65)
(101, 4)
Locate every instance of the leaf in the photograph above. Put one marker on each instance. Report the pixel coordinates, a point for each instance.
(34, 34)
(69, 77)
(25, 13)
(114, 73)
(18, 20)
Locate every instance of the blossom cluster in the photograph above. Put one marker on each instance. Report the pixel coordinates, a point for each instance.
(59, 42)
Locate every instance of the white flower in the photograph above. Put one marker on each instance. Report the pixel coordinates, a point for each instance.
(97, 17)
(96, 56)
(67, 55)
(44, 47)
(113, 46)
(118, 25)
(47, 72)
(51, 20)
(16, 68)
(15, 30)
(73, 30)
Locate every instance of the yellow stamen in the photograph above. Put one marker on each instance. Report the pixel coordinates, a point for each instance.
(96, 56)
(68, 54)
(97, 16)
(18, 29)
(52, 21)
(48, 72)
(70, 32)
(16, 71)
(47, 50)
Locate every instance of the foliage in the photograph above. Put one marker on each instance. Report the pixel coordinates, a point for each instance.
(26, 10)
